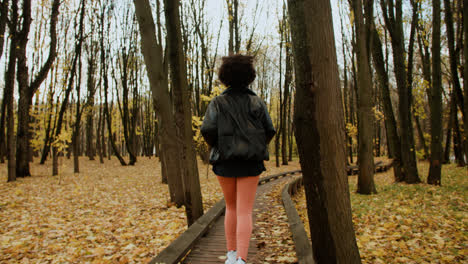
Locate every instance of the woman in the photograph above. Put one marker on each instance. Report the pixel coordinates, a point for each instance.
(238, 128)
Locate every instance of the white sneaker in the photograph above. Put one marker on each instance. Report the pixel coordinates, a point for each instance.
(240, 261)
(231, 257)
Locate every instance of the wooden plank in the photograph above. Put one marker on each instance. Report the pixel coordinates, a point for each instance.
(177, 249)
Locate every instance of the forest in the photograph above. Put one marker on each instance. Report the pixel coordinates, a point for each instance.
(102, 103)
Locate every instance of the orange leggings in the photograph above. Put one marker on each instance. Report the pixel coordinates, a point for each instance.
(239, 194)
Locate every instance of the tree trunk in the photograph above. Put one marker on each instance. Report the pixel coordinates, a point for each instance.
(389, 117)
(99, 148)
(465, 75)
(27, 89)
(76, 127)
(448, 138)
(77, 55)
(9, 92)
(436, 102)
(394, 24)
(183, 115)
(453, 56)
(422, 138)
(153, 55)
(366, 183)
(290, 130)
(90, 149)
(49, 130)
(319, 131)
(3, 21)
(107, 112)
(458, 143)
(287, 83)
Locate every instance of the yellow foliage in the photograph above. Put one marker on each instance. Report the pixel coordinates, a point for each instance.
(378, 114)
(351, 129)
(63, 140)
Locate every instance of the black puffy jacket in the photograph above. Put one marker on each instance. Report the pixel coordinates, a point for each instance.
(237, 126)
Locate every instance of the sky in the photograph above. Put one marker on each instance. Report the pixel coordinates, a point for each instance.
(267, 16)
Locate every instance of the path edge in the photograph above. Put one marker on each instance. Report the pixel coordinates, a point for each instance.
(301, 240)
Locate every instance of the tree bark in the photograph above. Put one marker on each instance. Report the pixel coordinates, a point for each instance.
(153, 55)
(91, 87)
(448, 138)
(366, 183)
(9, 92)
(287, 84)
(3, 21)
(453, 56)
(436, 102)
(394, 24)
(422, 138)
(77, 125)
(319, 131)
(27, 88)
(465, 75)
(458, 142)
(183, 114)
(389, 117)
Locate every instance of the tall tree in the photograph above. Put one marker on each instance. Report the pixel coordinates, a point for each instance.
(279, 111)
(68, 89)
(465, 74)
(287, 84)
(365, 103)
(9, 92)
(92, 48)
(453, 56)
(393, 16)
(233, 17)
(436, 100)
(105, 81)
(77, 124)
(183, 114)
(126, 63)
(26, 88)
(3, 21)
(157, 75)
(389, 117)
(319, 131)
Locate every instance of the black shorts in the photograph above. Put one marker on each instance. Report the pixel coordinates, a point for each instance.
(239, 168)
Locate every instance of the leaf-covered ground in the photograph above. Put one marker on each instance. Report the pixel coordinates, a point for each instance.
(272, 233)
(105, 214)
(410, 223)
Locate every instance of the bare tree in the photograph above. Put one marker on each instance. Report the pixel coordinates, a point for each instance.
(27, 88)
(9, 92)
(71, 79)
(183, 114)
(393, 16)
(3, 23)
(155, 68)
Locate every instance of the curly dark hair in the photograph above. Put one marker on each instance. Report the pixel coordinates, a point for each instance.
(237, 70)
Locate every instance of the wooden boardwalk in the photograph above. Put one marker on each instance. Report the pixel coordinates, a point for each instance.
(212, 247)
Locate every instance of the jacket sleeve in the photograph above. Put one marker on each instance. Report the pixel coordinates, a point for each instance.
(268, 124)
(209, 128)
